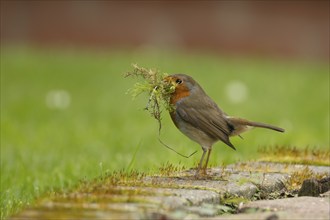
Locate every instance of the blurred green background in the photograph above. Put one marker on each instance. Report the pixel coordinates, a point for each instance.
(66, 115)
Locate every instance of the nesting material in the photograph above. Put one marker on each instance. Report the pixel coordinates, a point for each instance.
(152, 83)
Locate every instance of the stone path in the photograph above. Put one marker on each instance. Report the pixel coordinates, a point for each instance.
(179, 195)
(287, 208)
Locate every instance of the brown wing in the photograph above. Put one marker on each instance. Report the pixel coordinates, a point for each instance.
(206, 116)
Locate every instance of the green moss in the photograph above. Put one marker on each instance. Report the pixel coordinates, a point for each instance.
(286, 154)
(243, 180)
(81, 198)
(169, 169)
(232, 202)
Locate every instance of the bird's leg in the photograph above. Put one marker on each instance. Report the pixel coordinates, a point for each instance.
(207, 160)
(200, 162)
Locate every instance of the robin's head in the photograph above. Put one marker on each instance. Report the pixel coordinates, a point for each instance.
(181, 81)
(183, 85)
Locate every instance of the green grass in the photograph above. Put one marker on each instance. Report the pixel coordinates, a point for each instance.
(44, 150)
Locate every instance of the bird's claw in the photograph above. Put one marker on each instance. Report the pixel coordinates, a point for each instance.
(201, 174)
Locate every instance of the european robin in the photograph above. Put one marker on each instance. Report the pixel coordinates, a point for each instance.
(197, 116)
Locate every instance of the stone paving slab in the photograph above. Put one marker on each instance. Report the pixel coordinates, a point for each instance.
(178, 196)
(287, 208)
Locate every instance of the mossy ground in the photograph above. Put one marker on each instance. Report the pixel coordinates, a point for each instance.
(130, 186)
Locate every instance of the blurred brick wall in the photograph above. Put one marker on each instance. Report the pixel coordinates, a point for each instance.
(293, 28)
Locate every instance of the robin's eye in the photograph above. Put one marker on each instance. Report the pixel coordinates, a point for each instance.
(178, 81)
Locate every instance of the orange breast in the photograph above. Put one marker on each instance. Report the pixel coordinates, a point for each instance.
(180, 92)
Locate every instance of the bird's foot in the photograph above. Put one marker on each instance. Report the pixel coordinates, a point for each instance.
(204, 172)
(201, 174)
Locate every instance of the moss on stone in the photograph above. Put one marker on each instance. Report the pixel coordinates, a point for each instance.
(295, 155)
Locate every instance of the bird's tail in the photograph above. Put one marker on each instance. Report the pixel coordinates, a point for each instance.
(240, 125)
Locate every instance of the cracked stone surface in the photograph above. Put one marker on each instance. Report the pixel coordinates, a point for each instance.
(182, 196)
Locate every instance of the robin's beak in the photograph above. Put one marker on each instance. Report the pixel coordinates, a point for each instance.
(169, 81)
